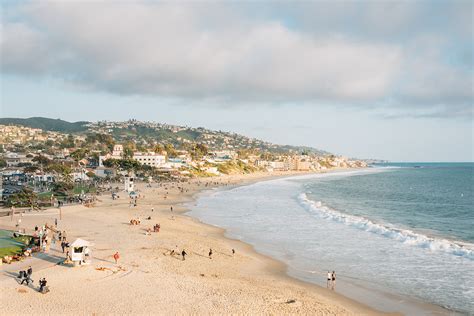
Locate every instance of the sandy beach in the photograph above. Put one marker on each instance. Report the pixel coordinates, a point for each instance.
(148, 279)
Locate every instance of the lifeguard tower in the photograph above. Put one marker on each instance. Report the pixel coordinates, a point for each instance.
(128, 183)
(81, 252)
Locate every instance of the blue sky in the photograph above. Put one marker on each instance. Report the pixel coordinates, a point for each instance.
(389, 80)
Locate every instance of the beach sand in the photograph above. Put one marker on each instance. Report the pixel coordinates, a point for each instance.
(147, 278)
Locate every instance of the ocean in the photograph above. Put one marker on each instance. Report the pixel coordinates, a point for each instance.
(397, 235)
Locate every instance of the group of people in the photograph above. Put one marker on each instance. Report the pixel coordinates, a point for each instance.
(25, 277)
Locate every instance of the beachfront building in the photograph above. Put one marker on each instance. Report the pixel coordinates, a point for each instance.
(279, 165)
(175, 163)
(299, 164)
(150, 159)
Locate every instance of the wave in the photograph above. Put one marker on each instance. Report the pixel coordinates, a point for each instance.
(405, 236)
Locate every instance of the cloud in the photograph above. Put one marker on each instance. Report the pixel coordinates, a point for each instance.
(209, 51)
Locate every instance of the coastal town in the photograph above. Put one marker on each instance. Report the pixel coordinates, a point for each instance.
(77, 205)
(45, 163)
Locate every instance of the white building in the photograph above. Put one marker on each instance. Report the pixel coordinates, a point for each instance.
(118, 150)
(14, 159)
(117, 153)
(150, 159)
(279, 165)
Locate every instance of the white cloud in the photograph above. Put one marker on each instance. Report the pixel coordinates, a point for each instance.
(207, 51)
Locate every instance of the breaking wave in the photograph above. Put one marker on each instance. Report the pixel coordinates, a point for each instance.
(405, 236)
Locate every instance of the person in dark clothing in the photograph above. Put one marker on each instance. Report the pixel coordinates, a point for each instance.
(29, 271)
(26, 277)
(210, 253)
(63, 245)
(42, 283)
(183, 253)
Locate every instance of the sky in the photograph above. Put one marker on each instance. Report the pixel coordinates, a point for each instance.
(368, 79)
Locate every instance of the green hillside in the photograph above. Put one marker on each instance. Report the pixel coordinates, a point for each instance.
(47, 124)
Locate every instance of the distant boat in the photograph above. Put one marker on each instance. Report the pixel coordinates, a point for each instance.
(416, 166)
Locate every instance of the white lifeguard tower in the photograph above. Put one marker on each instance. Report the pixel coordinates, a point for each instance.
(81, 252)
(129, 184)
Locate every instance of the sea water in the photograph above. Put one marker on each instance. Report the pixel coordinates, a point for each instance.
(402, 230)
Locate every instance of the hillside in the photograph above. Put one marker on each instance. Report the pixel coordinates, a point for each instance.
(146, 133)
(47, 124)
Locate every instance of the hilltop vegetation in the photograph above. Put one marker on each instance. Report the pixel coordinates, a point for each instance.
(47, 124)
(147, 134)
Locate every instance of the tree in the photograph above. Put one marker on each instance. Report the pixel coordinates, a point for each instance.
(30, 169)
(111, 163)
(80, 154)
(42, 160)
(68, 142)
(169, 148)
(26, 197)
(158, 148)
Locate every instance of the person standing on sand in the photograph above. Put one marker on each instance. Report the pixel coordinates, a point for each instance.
(233, 251)
(42, 283)
(210, 253)
(333, 278)
(329, 281)
(116, 257)
(171, 209)
(183, 253)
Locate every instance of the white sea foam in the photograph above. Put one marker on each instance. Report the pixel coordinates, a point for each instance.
(409, 237)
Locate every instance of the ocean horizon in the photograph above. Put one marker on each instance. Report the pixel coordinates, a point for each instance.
(399, 230)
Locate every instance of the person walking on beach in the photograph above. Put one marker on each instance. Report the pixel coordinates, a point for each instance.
(183, 253)
(171, 209)
(116, 257)
(210, 253)
(233, 251)
(333, 277)
(63, 245)
(329, 280)
(27, 276)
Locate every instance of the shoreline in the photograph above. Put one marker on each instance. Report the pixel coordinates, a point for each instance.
(262, 282)
(281, 268)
